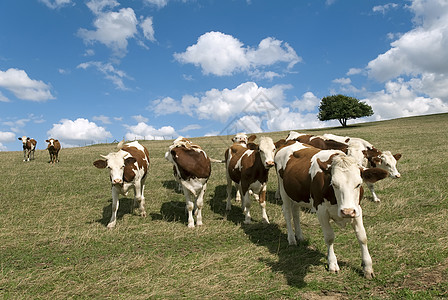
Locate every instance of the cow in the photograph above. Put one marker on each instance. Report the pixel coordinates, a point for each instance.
(192, 169)
(369, 156)
(53, 148)
(317, 141)
(248, 168)
(29, 146)
(240, 138)
(128, 168)
(330, 182)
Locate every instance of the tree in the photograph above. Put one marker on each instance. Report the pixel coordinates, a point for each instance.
(342, 108)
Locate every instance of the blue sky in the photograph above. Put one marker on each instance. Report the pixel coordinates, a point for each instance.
(95, 71)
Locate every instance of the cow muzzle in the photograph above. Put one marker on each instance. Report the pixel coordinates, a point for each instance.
(348, 213)
(398, 175)
(269, 164)
(117, 181)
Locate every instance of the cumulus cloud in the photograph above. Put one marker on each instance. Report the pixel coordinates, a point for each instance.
(56, 3)
(102, 119)
(384, 8)
(112, 29)
(309, 102)
(143, 131)
(23, 87)
(78, 132)
(158, 3)
(109, 71)
(190, 127)
(140, 118)
(221, 54)
(3, 98)
(148, 29)
(7, 137)
(247, 98)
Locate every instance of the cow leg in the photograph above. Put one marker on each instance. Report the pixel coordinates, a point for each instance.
(139, 197)
(189, 206)
(246, 207)
(115, 203)
(295, 209)
(372, 190)
(324, 220)
(287, 214)
(361, 235)
(200, 204)
(262, 200)
(238, 194)
(229, 192)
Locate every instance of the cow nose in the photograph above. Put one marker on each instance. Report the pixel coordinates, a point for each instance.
(270, 164)
(348, 213)
(117, 181)
(398, 175)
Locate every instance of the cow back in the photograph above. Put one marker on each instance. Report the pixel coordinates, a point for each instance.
(192, 163)
(141, 156)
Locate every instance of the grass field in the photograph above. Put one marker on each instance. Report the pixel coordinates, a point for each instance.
(54, 242)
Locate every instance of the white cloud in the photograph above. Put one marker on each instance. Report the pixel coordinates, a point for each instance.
(158, 3)
(221, 54)
(140, 118)
(384, 8)
(249, 123)
(23, 87)
(343, 81)
(78, 132)
(109, 71)
(354, 71)
(400, 94)
(143, 131)
(148, 29)
(112, 29)
(3, 98)
(98, 6)
(102, 119)
(289, 120)
(247, 98)
(190, 127)
(7, 137)
(56, 3)
(309, 102)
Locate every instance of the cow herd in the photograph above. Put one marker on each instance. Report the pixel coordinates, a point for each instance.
(322, 173)
(29, 146)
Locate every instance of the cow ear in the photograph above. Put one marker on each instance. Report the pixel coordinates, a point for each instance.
(397, 156)
(20, 138)
(373, 175)
(324, 166)
(347, 140)
(100, 164)
(376, 160)
(47, 141)
(27, 138)
(252, 138)
(56, 140)
(279, 143)
(129, 161)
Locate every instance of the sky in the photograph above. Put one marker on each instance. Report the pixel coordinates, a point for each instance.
(97, 71)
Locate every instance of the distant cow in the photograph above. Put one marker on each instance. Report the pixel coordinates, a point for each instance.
(248, 167)
(128, 168)
(368, 156)
(240, 138)
(191, 168)
(330, 182)
(317, 141)
(29, 145)
(53, 148)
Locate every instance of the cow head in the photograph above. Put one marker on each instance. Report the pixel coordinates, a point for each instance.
(388, 162)
(51, 143)
(346, 181)
(240, 138)
(267, 151)
(116, 163)
(24, 139)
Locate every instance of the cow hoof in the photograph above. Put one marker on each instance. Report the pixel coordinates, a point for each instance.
(333, 268)
(111, 225)
(377, 200)
(143, 214)
(265, 221)
(191, 225)
(369, 274)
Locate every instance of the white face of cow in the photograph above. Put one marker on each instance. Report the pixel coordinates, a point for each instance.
(24, 139)
(51, 143)
(240, 138)
(346, 181)
(389, 163)
(115, 163)
(267, 151)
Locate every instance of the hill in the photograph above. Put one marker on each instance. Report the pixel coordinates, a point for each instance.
(54, 241)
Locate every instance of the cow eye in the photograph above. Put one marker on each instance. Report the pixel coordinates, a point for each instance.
(358, 186)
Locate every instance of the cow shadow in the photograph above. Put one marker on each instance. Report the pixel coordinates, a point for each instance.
(293, 262)
(173, 211)
(172, 185)
(124, 208)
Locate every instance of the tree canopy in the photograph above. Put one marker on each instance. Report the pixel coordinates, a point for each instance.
(342, 108)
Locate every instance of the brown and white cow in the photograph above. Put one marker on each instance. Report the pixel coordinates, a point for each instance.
(319, 142)
(29, 146)
(330, 182)
(368, 156)
(53, 148)
(128, 168)
(248, 167)
(192, 168)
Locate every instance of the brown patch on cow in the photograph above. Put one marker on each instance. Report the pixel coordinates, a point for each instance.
(129, 167)
(321, 143)
(372, 155)
(191, 163)
(139, 156)
(252, 138)
(373, 175)
(283, 143)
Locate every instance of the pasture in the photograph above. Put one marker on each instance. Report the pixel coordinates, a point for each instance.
(54, 242)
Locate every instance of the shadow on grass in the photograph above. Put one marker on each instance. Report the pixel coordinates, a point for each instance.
(173, 211)
(293, 261)
(124, 207)
(172, 185)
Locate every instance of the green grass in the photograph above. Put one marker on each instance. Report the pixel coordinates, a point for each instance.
(54, 242)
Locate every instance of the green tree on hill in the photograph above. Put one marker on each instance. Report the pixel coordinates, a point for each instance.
(342, 108)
